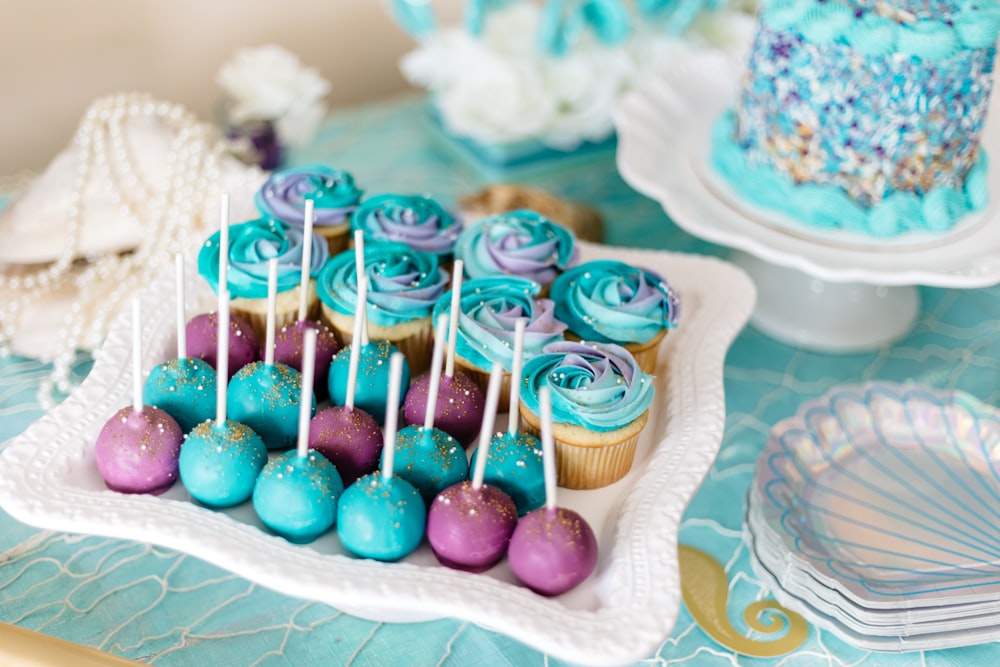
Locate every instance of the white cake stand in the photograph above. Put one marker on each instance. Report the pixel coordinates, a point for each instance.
(835, 292)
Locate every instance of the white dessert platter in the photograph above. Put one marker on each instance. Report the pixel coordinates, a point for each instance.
(828, 291)
(48, 478)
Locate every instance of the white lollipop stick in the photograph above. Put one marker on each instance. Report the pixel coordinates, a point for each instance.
(436, 359)
(136, 355)
(359, 268)
(355, 358)
(272, 306)
(307, 247)
(222, 363)
(305, 402)
(515, 377)
(456, 297)
(486, 431)
(224, 243)
(548, 448)
(181, 311)
(391, 414)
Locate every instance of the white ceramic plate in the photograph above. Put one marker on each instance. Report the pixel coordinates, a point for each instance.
(663, 136)
(48, 478)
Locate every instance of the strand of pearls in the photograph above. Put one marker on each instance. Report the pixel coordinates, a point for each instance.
(170, 215)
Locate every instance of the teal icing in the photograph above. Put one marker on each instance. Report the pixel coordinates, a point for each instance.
(296, 497)
(403, 283)
(219, 463)
(608, 301)
(595, 385)
(977, 187)
(429, 459)
(266, 398)
(824, 207)
(514, 465)
(381, 518)
(490, 308)
(974, 25)
(372, 387)
(184, 389)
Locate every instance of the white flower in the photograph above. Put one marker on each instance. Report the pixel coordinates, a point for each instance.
(269, 83)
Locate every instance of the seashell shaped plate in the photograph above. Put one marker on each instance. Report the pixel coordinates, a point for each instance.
(887, 495)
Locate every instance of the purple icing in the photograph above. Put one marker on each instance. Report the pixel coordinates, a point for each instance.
(350, 439)
(469, 528)
(551, 551)
(288, 345)
(137, 452)
(203, 343)
(459, 408)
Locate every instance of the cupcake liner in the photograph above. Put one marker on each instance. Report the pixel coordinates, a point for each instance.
(337, 237)
(482, 379)
(286, 309)
(590, 465)
(414, 339)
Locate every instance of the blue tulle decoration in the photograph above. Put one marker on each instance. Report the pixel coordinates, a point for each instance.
(414, 16)
(476, 12)
(564, 20)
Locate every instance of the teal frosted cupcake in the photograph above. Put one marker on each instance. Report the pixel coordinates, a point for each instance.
(490, 308)
(419, 222)
(333, 193)
(251, 245)
(404, 285)
(518, 243)
(608, 301)
(600, 404)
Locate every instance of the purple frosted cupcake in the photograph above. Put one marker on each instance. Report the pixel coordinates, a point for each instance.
(419, 222)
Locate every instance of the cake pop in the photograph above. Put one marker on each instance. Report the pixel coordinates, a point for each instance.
(373, 359)
(426, 456)
(553, 548)
(137, 448)
(296, 494)
(202, 331)
(264, 394)
(459, 399)
(182, 387)
(348, 436)
(288, 339)
(382, 516)
(469, 524)
(221, 458)
(514, 464)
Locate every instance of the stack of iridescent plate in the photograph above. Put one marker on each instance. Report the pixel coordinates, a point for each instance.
(875, 513)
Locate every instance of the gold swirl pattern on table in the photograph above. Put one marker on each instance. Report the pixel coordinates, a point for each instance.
(705, 589)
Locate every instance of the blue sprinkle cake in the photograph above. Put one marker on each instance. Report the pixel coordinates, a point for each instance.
(864, 115)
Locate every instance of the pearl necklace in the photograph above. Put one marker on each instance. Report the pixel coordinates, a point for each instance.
(170, 218)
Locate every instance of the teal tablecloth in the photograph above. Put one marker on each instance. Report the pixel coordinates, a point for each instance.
(162, 607)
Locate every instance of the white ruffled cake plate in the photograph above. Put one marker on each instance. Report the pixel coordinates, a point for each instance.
(48, 478)
(839, 291)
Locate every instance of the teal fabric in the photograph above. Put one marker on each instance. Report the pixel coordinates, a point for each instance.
(155, 605)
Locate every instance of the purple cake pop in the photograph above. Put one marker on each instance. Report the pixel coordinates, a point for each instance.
(137, 449)
(288, 346)
(470, 523)
(349, 437)
(202, 341)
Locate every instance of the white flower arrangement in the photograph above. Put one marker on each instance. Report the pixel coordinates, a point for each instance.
(269, 83)
(499, 87)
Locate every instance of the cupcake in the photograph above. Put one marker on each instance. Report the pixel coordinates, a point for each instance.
(519, 243)
(283, 197)
(419, 222)
(607, 301)
(490, 308)
(251, 245)
(404, 285)
(600, 404)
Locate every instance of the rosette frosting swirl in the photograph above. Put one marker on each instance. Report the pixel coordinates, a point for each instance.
(595, 385)
(419, 222)
(334, 195)
(251, 245)
(521, 243)
(403, 283)
(607, 301)
(490, 309)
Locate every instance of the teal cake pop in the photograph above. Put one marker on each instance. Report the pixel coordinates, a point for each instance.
(382, 516)
(220, 459)
(296, 494)
(182, 387)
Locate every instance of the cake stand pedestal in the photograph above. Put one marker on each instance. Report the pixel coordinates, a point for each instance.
(830, 291)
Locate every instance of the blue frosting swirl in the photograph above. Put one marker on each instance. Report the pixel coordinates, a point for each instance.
(403, 284)
(283, 195)
(613, 302)
(490, 309)
(419, 222)
(520, 243)
(251, 245)
(595, 385)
